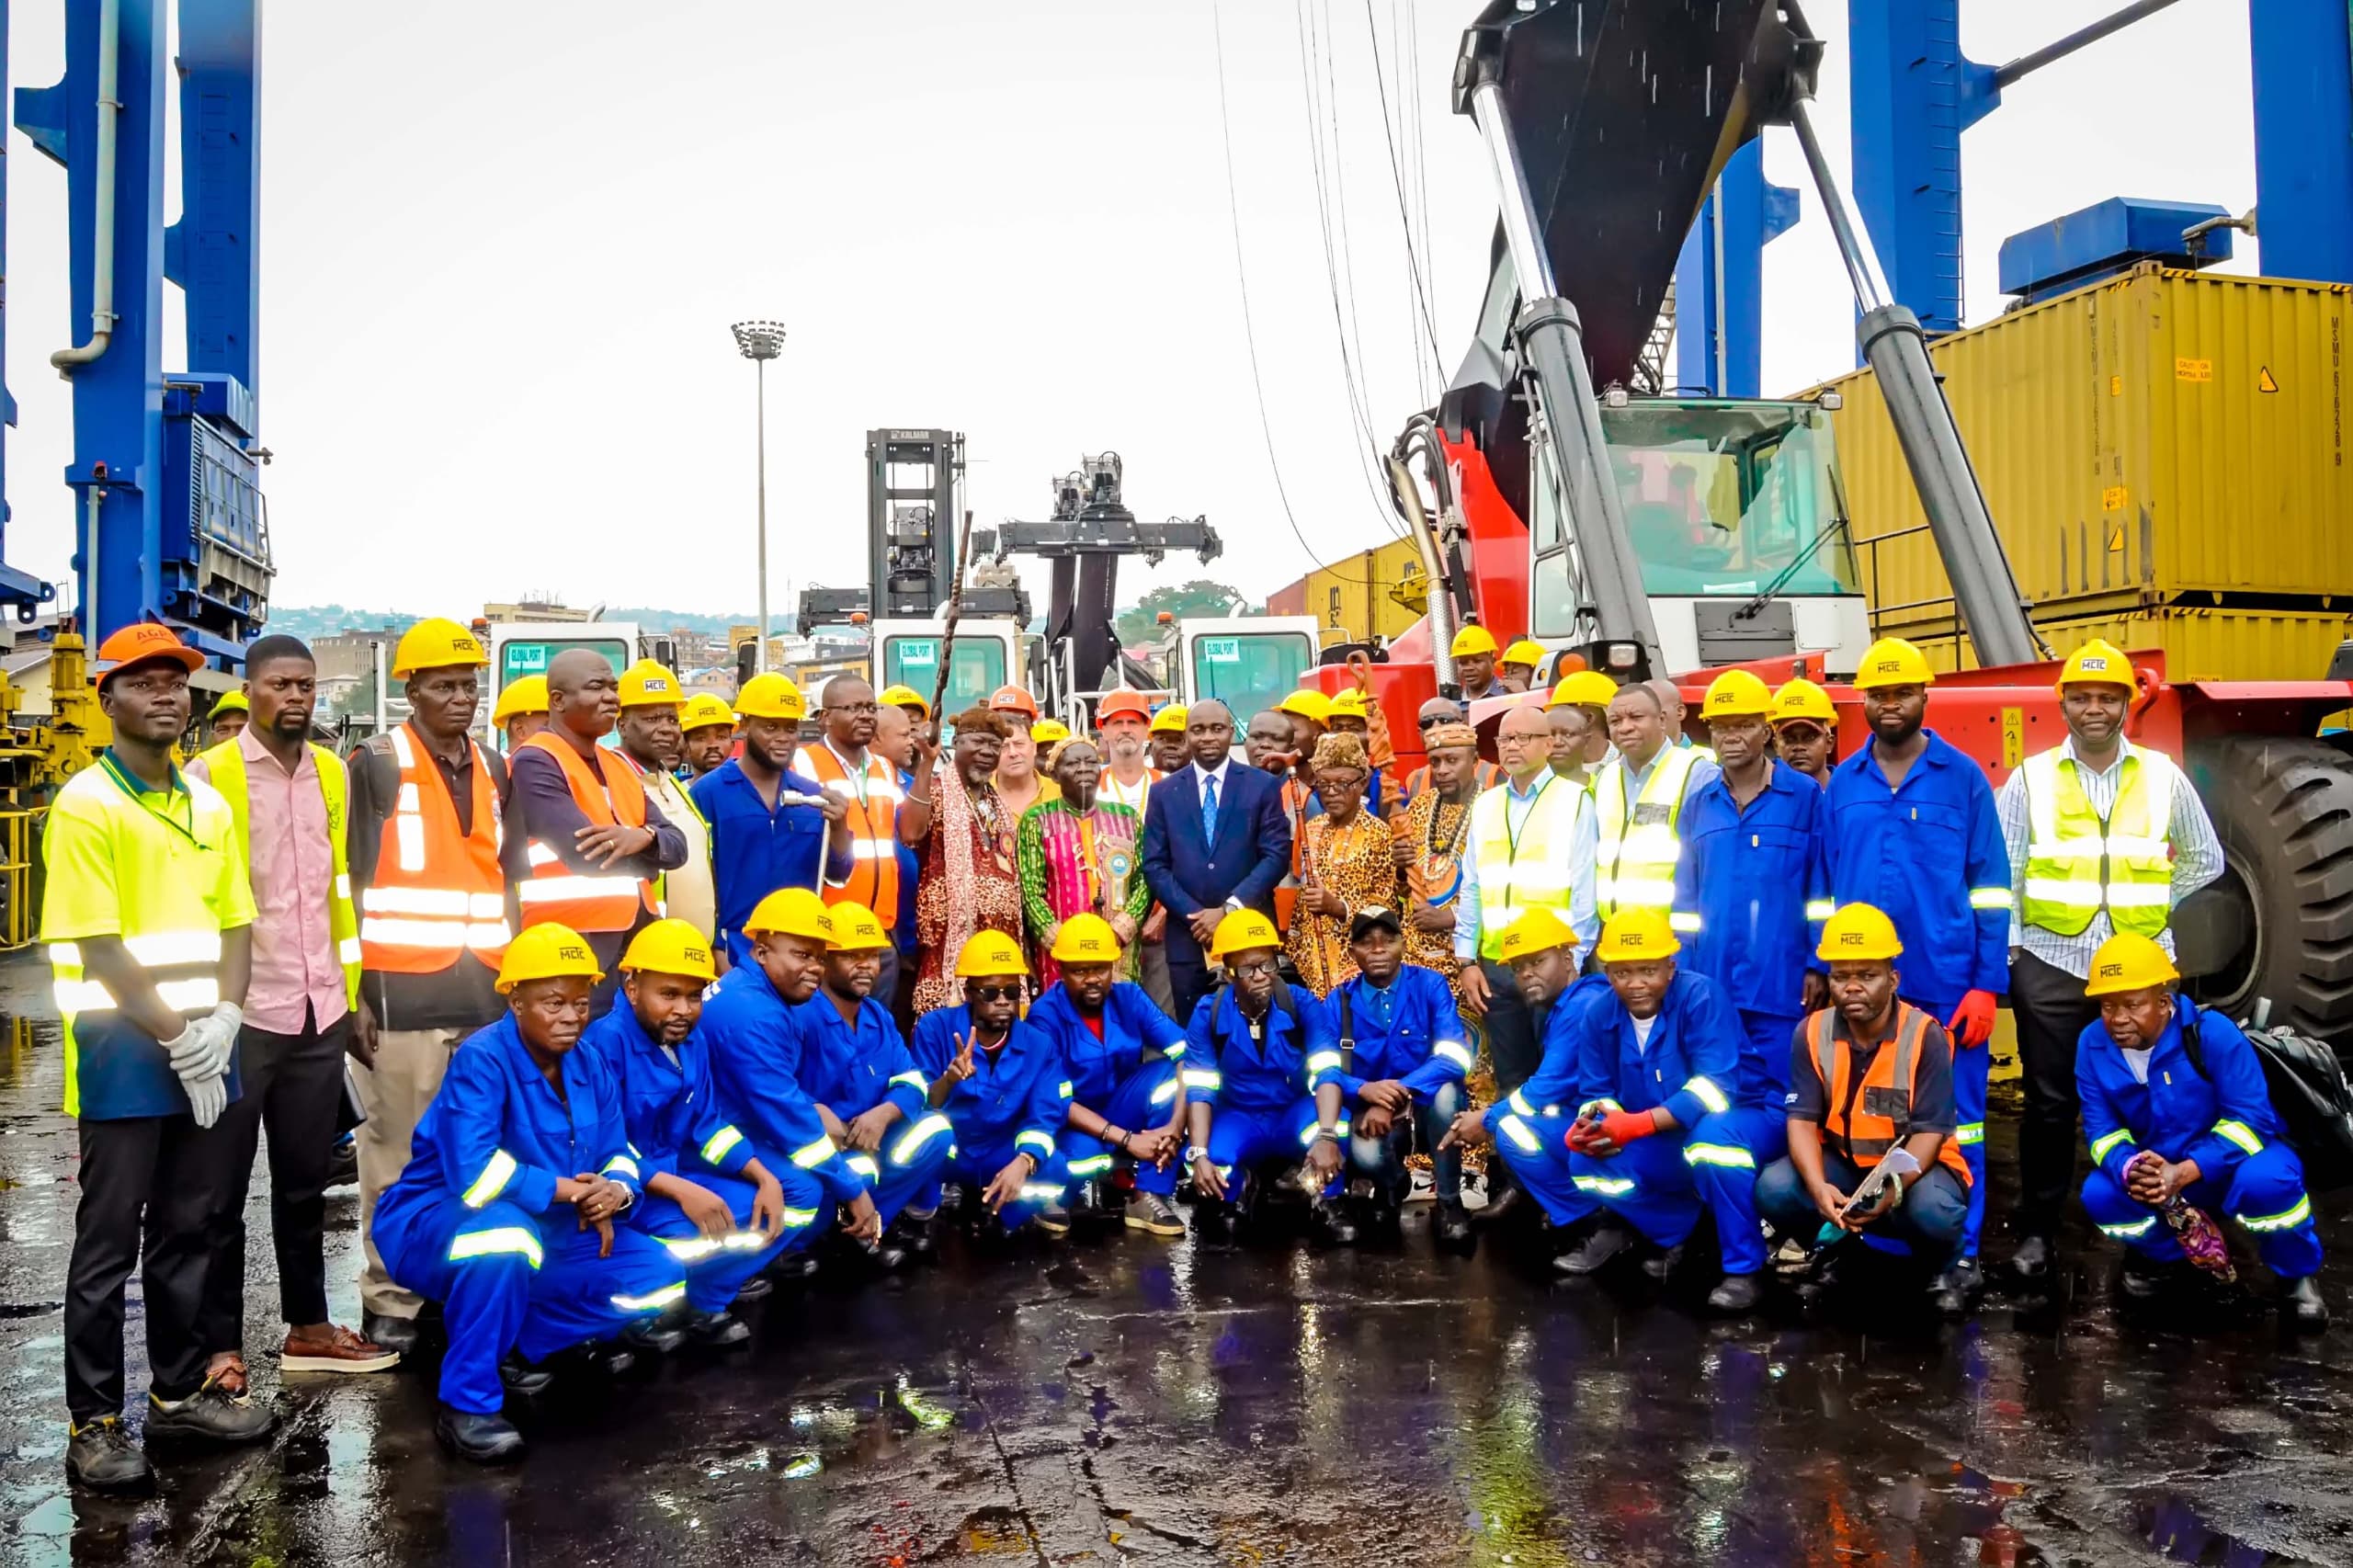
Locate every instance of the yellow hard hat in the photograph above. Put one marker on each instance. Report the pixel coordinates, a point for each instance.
(990, 952)
(1169, 721)
(670, 947)
(703, 709)
(1736, 694)
(1583, 688)
(790, 912)
(904, 697)
(1241, 930)
(1801, 698)
(524, 694)
(1086, 939)
(1308, 703)
(435, 644)
(1524, 652)
(1537, 930)
(1350, 704)
(1858, 931)
(1472, 639)
(546, 951)
(1048, 731)
(1635, 935)
(646, 684)
(2097, 663)
(231, 702)
(851, 927)
(1891, 660)
(771, 696)
(2129, 962)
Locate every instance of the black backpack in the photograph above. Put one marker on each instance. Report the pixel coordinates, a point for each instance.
(2307, 1087)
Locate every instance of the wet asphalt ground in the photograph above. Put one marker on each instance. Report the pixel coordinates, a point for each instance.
(1125, 1400)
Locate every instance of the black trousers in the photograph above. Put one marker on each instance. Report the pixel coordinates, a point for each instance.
(1514, 1045)
(1188, 982)
(150, 1186)
(293, 1086)
(2051, 1012)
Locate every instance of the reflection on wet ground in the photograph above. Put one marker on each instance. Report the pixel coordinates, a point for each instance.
(1132, 1401)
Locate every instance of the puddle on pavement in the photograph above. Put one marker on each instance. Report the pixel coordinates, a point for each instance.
(2176, 1527)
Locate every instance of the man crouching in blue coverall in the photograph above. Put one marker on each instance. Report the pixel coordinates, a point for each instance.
(722, 1207)
(514, 1210)
(1262, 1085)
(1002, 1088)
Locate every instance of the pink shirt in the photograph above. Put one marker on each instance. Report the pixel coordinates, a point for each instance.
(295, 968)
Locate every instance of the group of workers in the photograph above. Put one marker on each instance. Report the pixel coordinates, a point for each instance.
(670, 1000)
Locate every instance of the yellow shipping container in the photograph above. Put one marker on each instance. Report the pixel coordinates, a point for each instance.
(2167, 438)
(1351, 597)
(2199, 645)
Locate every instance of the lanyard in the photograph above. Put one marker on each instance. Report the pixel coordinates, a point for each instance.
(132, 787)
(1511, 834)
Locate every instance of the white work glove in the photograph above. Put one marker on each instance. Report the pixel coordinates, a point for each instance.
(227, 1019)
(190, 1047)
(207, 1097)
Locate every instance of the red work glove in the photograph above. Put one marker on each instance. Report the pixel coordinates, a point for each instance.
(1622, 1126)
(1582, 1136)
(1972, 1023)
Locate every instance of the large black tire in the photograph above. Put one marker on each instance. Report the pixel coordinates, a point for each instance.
(2279, 923)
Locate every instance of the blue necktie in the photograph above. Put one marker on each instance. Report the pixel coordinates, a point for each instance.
(1209, 808)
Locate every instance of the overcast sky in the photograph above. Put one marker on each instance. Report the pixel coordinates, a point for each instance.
(502, 245)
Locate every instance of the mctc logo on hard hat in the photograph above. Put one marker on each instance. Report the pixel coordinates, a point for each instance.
(1853, 940)
(571, 954)
(1090, 944)
(2112, 971)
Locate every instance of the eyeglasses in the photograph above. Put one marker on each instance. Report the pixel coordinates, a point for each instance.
(859, 710)
(993, 992)
(1252, 971)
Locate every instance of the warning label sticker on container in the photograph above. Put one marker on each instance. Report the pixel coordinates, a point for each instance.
(2113, 498)
(2193, 369)
(2013, 736)
(2266, 383)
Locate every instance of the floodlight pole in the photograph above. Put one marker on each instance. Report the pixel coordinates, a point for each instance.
(761, 341)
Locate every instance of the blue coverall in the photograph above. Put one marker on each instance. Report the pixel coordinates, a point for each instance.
(675, 1123)
(1261, 1092)
(1114, 1078)
(1013, 1102)
(1410, 1030)
(1592, 1060)
(764, 1066)
(1751, 893)
(473, 1222)
(1929, 855)
(2221, 1119)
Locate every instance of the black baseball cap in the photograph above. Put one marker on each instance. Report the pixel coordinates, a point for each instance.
(1372, 915)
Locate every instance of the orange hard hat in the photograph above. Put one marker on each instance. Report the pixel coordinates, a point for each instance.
(1013, 699)
(138, 643)
(1125, 700)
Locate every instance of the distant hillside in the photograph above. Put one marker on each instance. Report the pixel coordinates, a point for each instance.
(307, 621)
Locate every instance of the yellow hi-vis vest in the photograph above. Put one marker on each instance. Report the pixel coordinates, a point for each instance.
(2078, 865)
(1634, 862)
(225, 763)
(1527, 869)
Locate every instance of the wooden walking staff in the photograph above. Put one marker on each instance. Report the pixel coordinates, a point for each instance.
(948, 635)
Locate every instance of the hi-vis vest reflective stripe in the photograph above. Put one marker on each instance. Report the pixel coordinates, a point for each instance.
(1864, 1121)
(436, 893)
(2076, 865)
(1634, 861)
(874, 828)
(226, 765)
(586, 900)
(185, 966)
(1526, 871)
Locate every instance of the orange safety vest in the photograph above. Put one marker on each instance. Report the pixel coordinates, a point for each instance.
(1865, 1125)
(436, 894)
(586, 900)
(874, 830)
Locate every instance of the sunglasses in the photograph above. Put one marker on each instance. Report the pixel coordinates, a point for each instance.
(993, 992)
(1435, 720)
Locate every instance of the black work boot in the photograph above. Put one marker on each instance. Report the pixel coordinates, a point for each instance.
(522, 1377)
(1954, 1293)
(211, 1415)
(1737, 1294)
(914, 1236)
(1451, 1227)
(2030, 1264)
(2142, 1280)
(1334, 1225)
(482, 1440)
(757, 1288)
(1662, 1264)
(102, 1457)
(1606, 1242)
(2301, 1306)
(660, 1336)
(391, 1332)
(722, 1330)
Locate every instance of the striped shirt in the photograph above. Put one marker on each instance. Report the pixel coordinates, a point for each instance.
(2197, 858)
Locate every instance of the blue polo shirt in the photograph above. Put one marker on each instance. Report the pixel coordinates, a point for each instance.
(755, 851)
(1752, 889)
(1929, 855)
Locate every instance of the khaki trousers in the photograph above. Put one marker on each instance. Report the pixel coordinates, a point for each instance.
(394, 1093)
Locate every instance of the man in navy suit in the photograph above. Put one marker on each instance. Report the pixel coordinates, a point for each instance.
(1215, 840)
